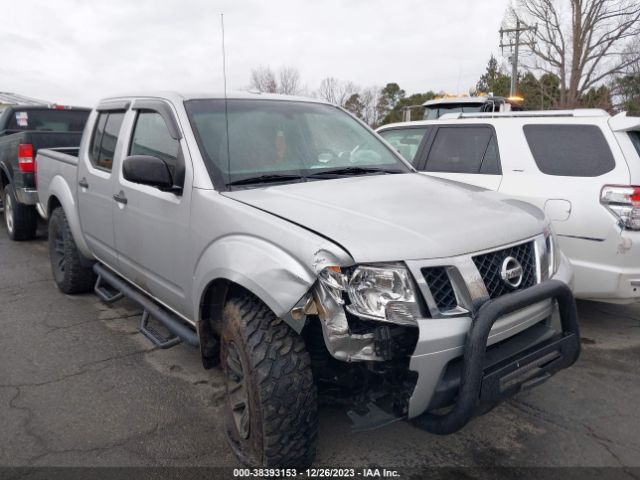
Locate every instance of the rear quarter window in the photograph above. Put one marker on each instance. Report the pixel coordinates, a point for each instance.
(635, 139)
(569, 150)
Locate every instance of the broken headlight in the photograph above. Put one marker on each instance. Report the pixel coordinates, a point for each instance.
(383, 293)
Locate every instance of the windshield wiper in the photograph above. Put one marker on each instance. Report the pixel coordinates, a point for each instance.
(269, 178)
(353, 171)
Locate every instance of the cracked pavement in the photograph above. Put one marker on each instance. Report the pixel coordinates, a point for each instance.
(79, 386)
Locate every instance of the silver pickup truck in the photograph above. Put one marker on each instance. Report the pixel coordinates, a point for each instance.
(292, 245)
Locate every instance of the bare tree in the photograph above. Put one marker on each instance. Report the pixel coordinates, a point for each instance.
(370, 98)
(580, 41)
(289, 81)
(263, 79)
(336, 91)
(286, 81)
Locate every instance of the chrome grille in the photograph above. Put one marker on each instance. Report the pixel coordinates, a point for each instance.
(490, 264)
(440, 287)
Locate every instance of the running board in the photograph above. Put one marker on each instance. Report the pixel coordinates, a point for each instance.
(120, 288)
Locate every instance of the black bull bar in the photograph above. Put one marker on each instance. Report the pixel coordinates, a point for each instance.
(481, 389)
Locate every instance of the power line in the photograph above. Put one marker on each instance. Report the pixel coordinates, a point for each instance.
(514, 44)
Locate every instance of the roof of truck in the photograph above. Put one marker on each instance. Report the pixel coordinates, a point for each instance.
(232, 95)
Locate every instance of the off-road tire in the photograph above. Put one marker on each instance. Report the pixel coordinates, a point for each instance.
(20, 220)
(70, 271)
(281, 395)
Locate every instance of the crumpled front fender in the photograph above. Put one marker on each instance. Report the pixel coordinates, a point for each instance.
(274, 275)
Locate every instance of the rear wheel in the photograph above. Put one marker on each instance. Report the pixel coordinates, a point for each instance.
(21, 220)
(271, 404)
(70, 272)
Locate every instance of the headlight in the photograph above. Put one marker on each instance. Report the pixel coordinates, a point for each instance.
(553, 250)
(383, 293)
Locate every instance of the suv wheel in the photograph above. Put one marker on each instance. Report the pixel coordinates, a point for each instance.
(21, 220)
(271, 404)
(70, 272)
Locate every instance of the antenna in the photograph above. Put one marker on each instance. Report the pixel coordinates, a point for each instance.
(226, 106)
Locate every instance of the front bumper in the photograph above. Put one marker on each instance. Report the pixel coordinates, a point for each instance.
(441, 342)
(483, 386)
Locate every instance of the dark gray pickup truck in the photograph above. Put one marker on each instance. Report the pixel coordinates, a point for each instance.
(23, 131)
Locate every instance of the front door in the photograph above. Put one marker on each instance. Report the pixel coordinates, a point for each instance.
(151, 226)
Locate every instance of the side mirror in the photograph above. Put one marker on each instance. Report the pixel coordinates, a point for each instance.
(148, 170)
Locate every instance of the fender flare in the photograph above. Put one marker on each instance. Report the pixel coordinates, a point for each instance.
(272, 274)
(59, 189)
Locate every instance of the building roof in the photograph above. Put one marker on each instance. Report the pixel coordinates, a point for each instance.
(7, 98)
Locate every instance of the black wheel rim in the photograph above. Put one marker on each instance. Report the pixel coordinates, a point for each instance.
(58, 255)
(237, 395)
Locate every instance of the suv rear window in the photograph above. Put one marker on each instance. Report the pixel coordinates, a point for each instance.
(468, 149)
(635, 139)
(569, 150)
(49, 120)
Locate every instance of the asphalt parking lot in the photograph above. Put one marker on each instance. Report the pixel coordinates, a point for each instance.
(79, 386)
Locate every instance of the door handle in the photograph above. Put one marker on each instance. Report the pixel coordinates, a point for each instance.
(83, 183)
(120, 198)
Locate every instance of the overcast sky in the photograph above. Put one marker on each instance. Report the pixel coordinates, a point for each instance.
(77, 51)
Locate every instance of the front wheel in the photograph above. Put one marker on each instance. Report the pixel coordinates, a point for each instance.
(70, 272)
(271, 403)
(21, 220)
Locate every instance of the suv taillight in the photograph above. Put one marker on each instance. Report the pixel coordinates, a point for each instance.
(624, 203)
(26, 162)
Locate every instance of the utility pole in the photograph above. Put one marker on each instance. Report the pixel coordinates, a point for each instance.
(514, 45)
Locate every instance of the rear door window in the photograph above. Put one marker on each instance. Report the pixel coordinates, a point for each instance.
(569, 150)
(105, 139)
(405, 140)
(464, 149)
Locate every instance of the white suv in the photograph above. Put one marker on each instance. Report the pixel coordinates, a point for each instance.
(581, 166)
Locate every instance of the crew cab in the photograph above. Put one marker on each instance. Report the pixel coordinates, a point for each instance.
(24, 129)
(300, 252)
(581, 166)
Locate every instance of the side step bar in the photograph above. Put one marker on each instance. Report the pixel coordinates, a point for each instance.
(169, 320)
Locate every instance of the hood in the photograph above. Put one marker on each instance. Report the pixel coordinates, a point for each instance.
(399, 217)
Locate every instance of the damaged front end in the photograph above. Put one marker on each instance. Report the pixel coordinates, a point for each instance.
(365, 316)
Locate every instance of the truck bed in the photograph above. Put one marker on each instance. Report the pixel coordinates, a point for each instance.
(39, 140)
(52, 163)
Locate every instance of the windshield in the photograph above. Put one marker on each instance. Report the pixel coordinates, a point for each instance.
(49, 120)
(285, 141)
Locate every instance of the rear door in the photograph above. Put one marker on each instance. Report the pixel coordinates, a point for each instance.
(152, 227)
(562, 166)
(464, 153)
(96, 182)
